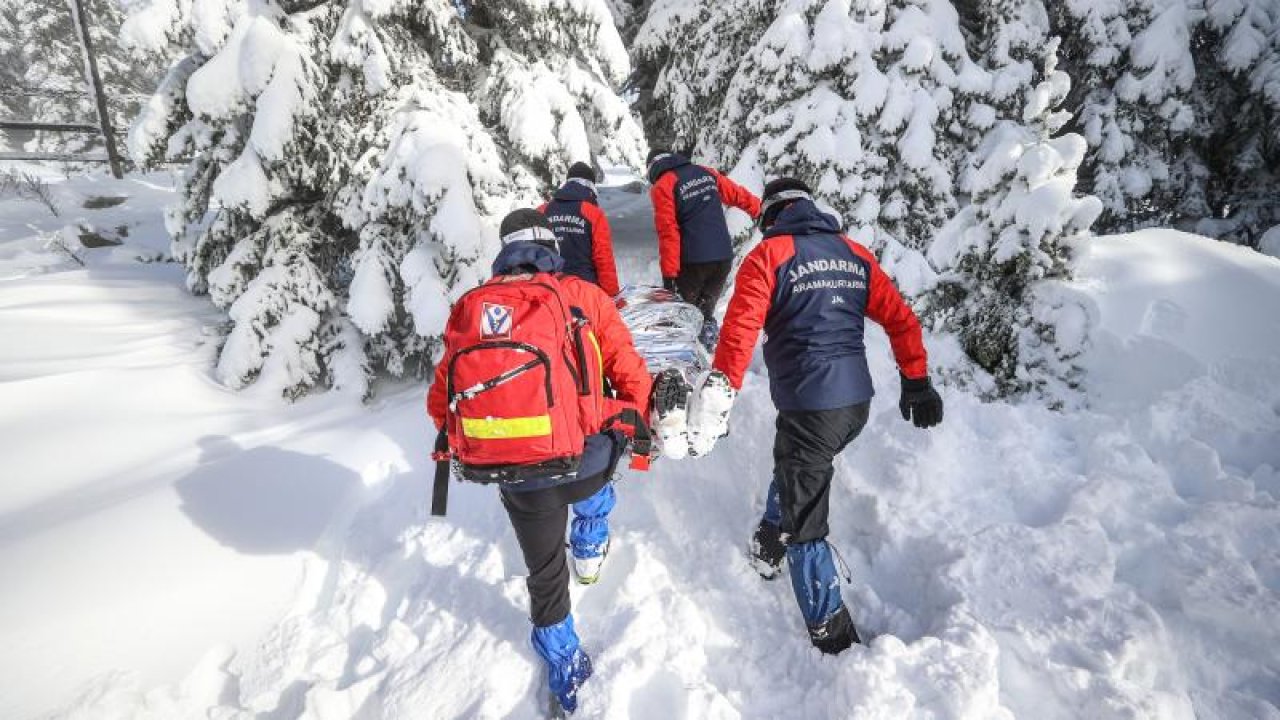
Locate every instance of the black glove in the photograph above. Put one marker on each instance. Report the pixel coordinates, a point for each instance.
(920, 403)
(670, 284)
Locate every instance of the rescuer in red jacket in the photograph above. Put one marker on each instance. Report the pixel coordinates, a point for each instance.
(585, 241)
(694, 246)
(539, 509)
(809, 287)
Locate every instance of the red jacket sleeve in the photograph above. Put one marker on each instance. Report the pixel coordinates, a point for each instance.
(664, 221)
(622, 364)
(602, 249)
(731, 193)
(752, 297)
(437, 394)
(887, 308)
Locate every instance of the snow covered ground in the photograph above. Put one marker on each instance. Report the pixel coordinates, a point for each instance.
(173, 550)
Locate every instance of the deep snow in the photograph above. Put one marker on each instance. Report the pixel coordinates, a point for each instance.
(176, 550)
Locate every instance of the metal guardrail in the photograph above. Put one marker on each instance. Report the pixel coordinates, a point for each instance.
(55, 127)
(58, 157)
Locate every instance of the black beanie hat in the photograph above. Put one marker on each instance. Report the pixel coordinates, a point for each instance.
(770, 202)
(582, 171)
(655, 153)
(527, 224)
(781, 184)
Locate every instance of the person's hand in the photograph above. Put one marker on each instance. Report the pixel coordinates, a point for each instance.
(669, 283)
(920, 403)
(709, 419)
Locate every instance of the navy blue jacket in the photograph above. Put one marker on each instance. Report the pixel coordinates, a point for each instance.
(688, 213)
(810, 287)
(585, 240)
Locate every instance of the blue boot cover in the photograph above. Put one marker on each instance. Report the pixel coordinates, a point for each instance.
(568, 665)
(773, 505)
(814, 579)
(710, 334)
(589, 531)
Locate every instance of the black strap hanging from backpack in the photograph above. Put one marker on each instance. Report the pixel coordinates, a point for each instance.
(440, 490)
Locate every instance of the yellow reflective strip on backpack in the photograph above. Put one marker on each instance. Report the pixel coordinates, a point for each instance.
(492, 428)
(599, 357)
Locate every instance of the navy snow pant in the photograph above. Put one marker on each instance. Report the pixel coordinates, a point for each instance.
(539, 516)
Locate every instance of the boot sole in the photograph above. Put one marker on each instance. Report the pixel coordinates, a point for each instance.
(672, 393)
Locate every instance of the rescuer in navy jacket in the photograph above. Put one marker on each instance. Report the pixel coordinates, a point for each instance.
(694, 246)
(585, 241)
(811, 288)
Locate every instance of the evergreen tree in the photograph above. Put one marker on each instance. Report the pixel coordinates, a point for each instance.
(1178, 100)
(686, 54)
(1236, 51)
(1023, 222)
(42, 70)
(358, 156)
(870, 101)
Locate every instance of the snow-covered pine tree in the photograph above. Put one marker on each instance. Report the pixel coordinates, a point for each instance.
(350, 160)
(869, 101)
(1178, 100)
(1236, 50)
(552, 75)
(42, 69)
(686, 52)
(1023, 222)
(1132, 78)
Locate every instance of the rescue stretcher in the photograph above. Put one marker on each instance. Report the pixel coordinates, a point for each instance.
(665, 330)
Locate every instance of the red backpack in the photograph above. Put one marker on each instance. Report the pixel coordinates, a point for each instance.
(514, 379)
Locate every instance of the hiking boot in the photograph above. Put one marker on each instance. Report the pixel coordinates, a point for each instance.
(709, 419)
(836, 634)
(588, 568)
(767, 550)
(564, 685)
(671, 413)
(568, 666)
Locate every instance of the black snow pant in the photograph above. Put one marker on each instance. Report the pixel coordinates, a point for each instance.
(701, 284)
(804, 450)
(539, 518)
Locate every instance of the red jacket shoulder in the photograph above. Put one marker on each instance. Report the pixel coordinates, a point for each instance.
(583, 294)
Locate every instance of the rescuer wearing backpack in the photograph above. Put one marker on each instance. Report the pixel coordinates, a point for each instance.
(810, 288)
(585, 241)
(519, 395)
(694, 246)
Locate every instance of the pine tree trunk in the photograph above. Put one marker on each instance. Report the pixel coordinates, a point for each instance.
(94, 79)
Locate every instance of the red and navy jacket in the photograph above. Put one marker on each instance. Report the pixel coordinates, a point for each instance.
(585, 241)
(809, 287)
(687, 212)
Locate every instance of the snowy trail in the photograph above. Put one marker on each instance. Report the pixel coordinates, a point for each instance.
(1119, 562)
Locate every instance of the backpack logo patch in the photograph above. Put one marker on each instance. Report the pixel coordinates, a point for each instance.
(495, 322)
